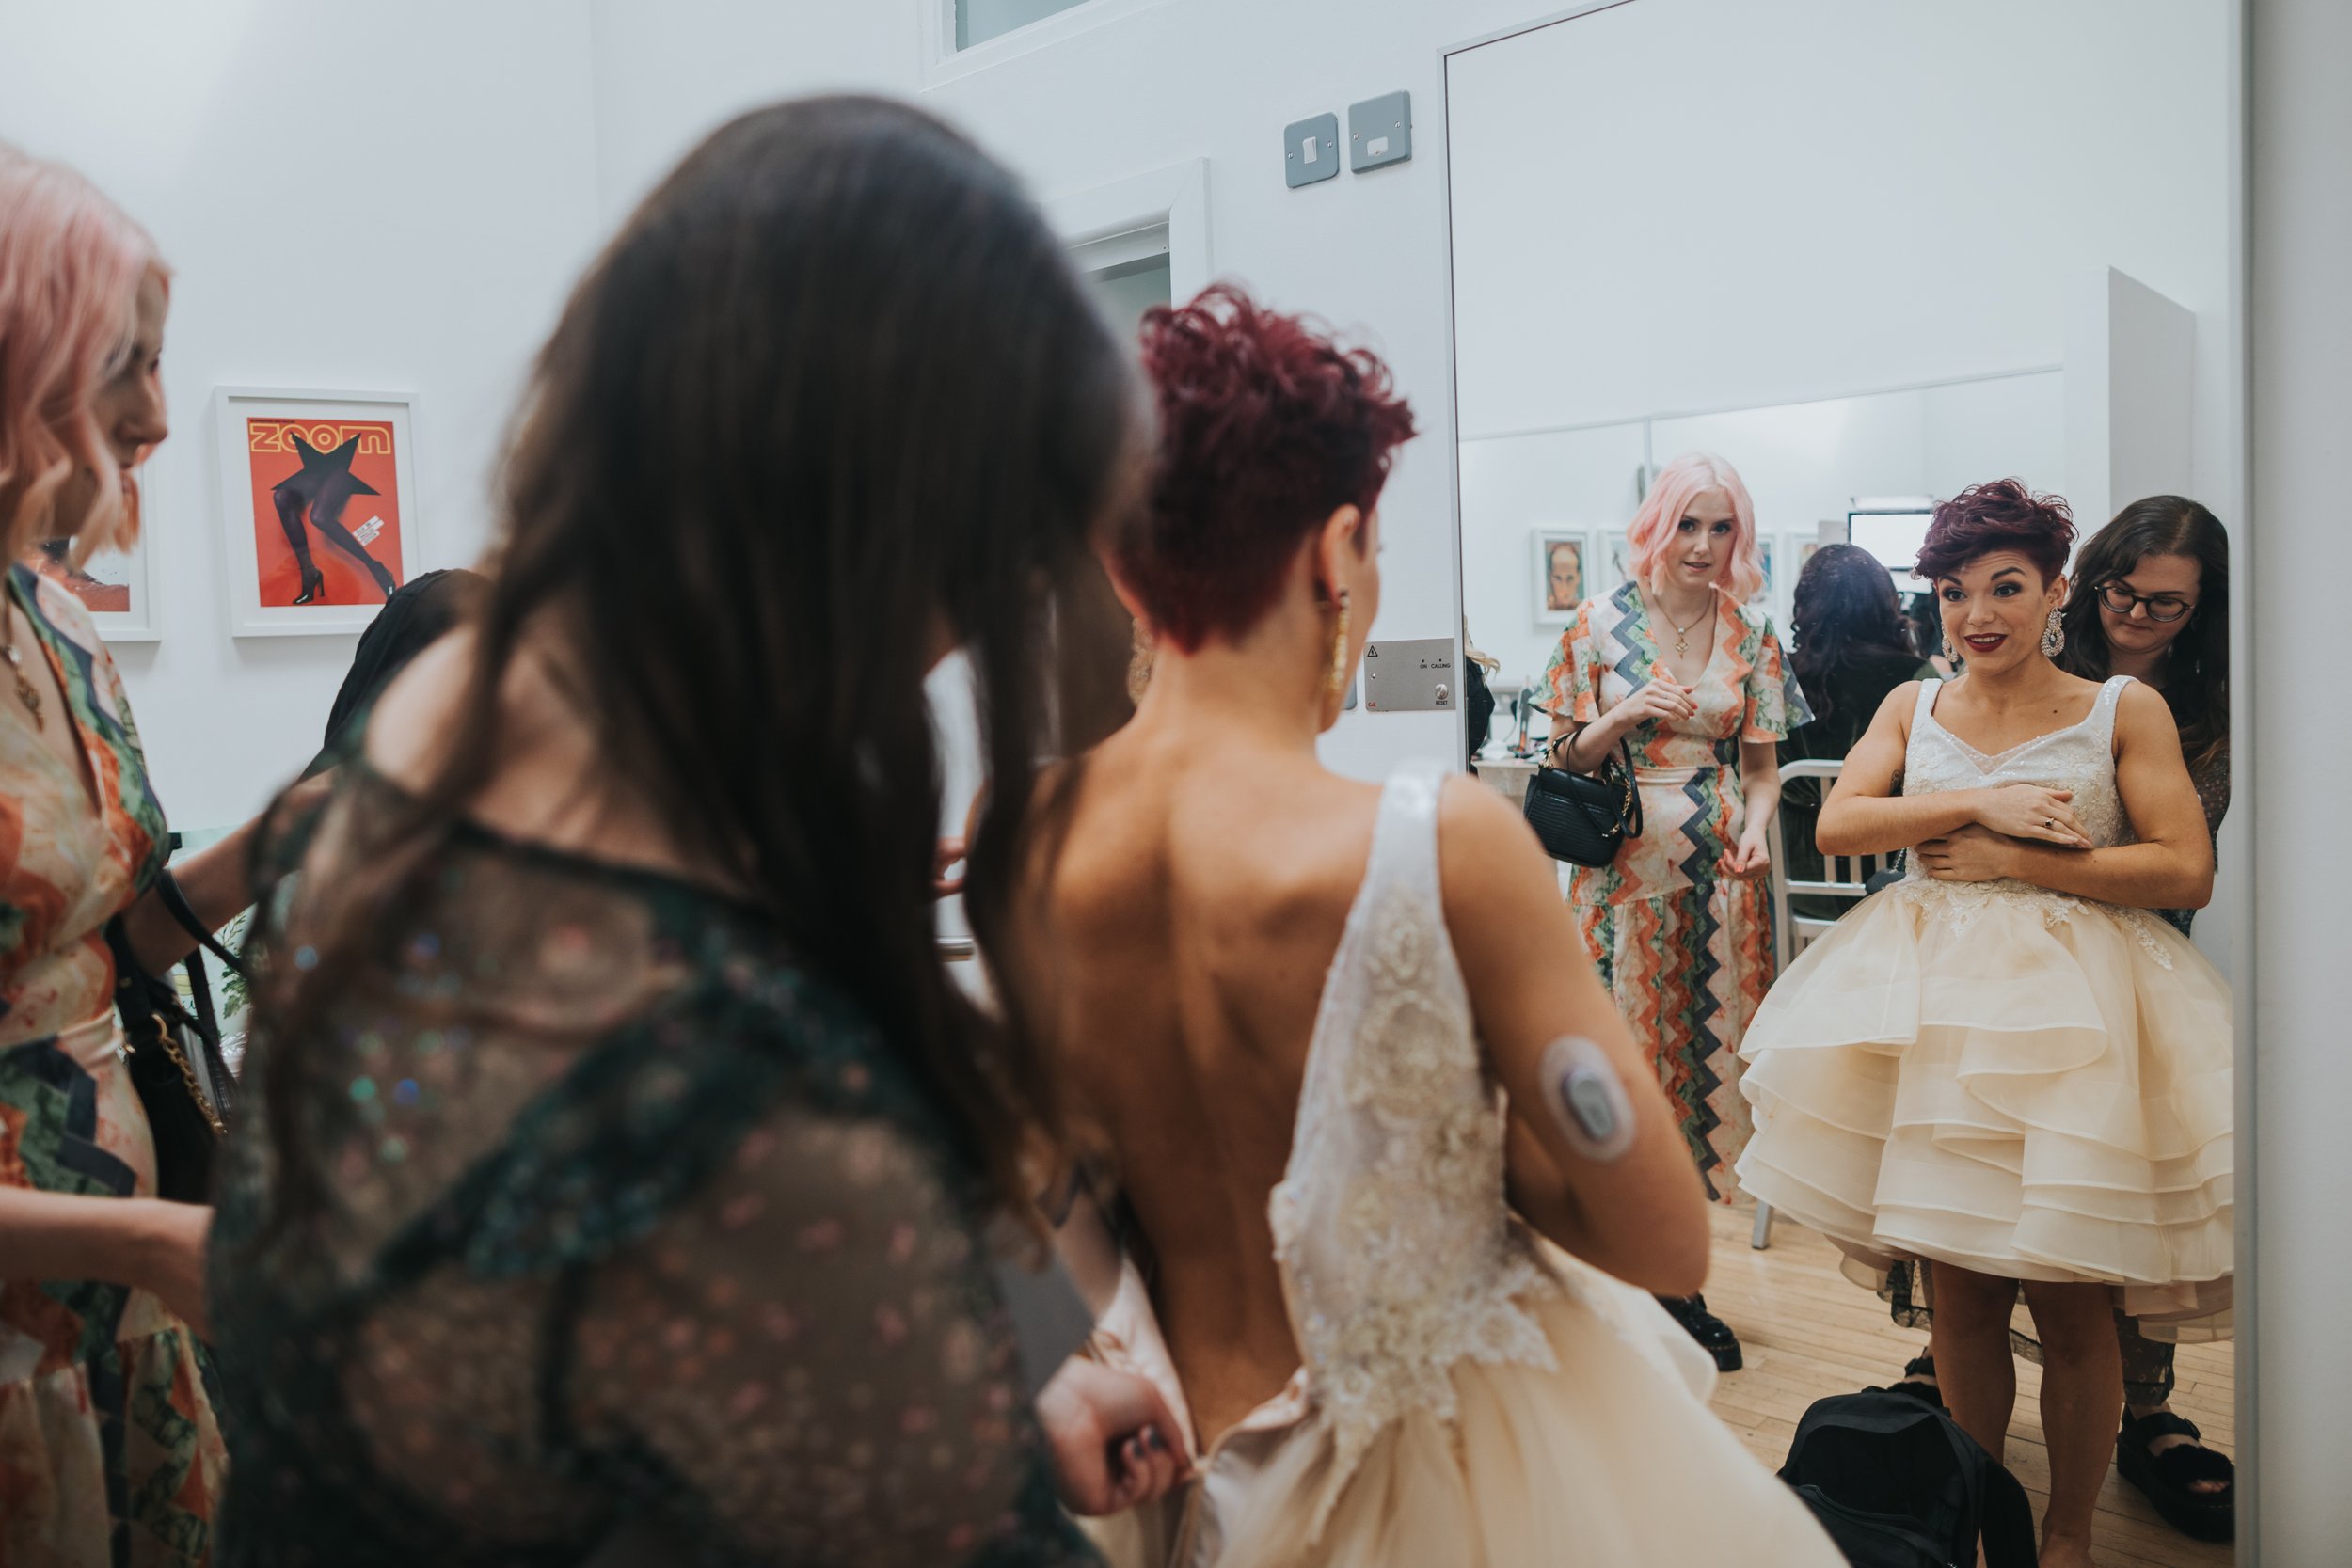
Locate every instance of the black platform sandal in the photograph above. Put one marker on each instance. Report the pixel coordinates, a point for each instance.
(2167, 1478)
(1713, 1335)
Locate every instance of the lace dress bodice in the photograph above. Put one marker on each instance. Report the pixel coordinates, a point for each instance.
(1398, 1254)
(2080, 758)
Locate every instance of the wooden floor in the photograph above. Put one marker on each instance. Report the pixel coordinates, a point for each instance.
(1808, 1331)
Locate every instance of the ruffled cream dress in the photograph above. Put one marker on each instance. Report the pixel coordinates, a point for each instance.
(1470, 1395)
(2004, 1078)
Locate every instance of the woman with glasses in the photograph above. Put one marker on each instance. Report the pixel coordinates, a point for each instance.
(2159, 610)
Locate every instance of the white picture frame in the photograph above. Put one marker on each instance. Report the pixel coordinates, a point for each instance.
(1613, 564)
(129, 571)
(1545, 539)
(257, 565)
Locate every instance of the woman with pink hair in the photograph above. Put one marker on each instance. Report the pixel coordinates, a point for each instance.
(1679, 668)
(109, 1448)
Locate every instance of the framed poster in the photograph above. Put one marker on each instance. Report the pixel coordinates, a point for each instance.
(113, 585)
(316, 490)
(1614, 568)
(1768, 552)
(1561, 582)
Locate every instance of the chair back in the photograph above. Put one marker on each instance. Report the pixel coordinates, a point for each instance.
(1843, 877)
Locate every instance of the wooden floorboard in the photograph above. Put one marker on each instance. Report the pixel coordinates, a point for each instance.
(1808, 1331)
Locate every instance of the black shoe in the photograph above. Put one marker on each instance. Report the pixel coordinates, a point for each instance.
(1713, 1335)
(313, 586)
(2167, 1479)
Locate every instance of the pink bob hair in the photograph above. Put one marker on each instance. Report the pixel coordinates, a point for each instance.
(1678, 484)
(71, 265)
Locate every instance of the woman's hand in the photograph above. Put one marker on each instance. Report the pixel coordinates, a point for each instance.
(1752, 855)
(165, 1254)
(1113, 1439)
(1659, 699)
(946, 859)
(1973, 854)
(2031, 812)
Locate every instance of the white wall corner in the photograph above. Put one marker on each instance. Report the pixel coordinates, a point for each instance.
(2131, 357)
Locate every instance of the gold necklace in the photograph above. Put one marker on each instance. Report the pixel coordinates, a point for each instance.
(25, 693)
(1682, 633)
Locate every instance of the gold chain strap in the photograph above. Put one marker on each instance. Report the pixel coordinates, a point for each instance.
(187, 1075)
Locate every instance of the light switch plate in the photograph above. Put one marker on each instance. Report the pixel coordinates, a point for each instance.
(1380, 131)
(1310, 150)
(1411, 675)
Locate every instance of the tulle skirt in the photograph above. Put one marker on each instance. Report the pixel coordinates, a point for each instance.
(1612, 1458)
(2009, 1081)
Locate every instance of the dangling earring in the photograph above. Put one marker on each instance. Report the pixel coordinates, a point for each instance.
(1139, 663)
(1336, 685)
(1951, 655)
(2053, 637)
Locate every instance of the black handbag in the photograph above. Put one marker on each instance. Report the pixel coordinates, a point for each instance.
(176, 1067)
(1583, 818)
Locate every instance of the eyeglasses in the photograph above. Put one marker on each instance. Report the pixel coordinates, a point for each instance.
(2163, 609)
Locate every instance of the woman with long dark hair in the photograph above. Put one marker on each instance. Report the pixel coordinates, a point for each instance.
(2154, 603)
(631, 1158)
(1852, 647)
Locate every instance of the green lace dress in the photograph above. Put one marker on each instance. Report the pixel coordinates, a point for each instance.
(639, 1245)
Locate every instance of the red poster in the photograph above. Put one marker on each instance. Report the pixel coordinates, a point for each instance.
(326, 511)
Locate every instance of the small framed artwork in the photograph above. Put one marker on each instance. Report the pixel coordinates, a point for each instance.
(113, 585)
(1615, 566)
(316, 492)
(1768, 552)
(1561, 555)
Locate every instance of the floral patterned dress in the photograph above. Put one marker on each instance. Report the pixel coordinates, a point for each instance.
(1685, 951)
(634, 1241)
(109, 1454)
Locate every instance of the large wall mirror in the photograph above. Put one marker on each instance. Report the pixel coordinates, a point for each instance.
(1866, 256)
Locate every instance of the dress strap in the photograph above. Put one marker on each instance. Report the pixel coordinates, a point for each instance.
(2103, 710)
(1926, 706)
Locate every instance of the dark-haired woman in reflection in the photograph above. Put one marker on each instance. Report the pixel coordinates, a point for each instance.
(629, 1157)
(1852, 647)
(2154, 604)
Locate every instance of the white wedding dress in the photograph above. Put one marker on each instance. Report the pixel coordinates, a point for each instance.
(1470, 1395)
(1994, 1076)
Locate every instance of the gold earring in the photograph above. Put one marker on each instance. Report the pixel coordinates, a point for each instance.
(1336, 685)
(1139, 663)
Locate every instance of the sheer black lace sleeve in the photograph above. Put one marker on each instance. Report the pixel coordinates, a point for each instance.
(634, 1229)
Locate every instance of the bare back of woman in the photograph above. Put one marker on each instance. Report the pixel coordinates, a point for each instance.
(1199, 898)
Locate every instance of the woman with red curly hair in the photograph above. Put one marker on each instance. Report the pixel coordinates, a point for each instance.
(1379, 1300)
(1679, 667)
(2005, 1064)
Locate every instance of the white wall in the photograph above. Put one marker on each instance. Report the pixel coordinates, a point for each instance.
(2301, 340)
(388, 196)
(1821, 197)
(1803, 464)
(1213, 79)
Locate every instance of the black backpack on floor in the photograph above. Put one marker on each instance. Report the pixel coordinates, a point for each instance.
(1897, 1484)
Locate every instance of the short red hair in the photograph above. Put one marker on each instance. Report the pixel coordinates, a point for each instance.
(1266, 428)
(2000, 514)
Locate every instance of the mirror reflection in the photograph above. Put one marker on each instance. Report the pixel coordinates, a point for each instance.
(1909, 693)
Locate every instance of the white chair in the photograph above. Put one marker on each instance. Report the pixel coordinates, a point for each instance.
(1845, 877)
